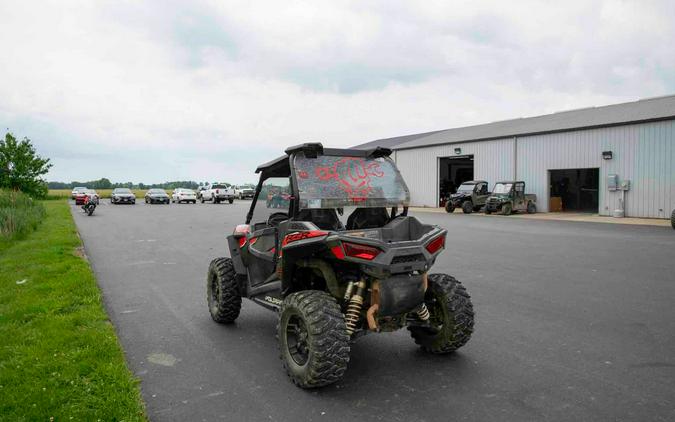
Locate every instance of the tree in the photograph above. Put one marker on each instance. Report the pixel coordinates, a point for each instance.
(21, 168)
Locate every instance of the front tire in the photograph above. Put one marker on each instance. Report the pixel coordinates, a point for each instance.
(231, 200)
(467, 207)
(313, 339)
(222, 291)
(531, 208)
(506, 209)
(449, 208)
(451, 314)
(672, 219)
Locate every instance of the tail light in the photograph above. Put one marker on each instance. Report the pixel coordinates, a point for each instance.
(217, 191)
(355, 250)
(436, 244)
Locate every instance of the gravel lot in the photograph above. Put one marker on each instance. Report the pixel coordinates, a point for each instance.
(575, 321)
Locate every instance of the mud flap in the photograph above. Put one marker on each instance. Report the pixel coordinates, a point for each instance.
(400, 294)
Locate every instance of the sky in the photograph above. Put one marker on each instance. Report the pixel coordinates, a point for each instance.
(152, 91)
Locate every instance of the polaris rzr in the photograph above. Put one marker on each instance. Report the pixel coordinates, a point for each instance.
(330, 280)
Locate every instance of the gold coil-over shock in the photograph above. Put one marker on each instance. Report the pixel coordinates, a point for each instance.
(423, 312)
(354, 308)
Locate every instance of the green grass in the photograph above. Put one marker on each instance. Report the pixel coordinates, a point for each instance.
(59, 356)
(19, 215)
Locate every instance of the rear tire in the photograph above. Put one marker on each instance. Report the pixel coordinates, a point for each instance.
(467, 207)
(672, 219)
(531, 208)
(487, 211)
(313, 339)
(222, 291)
(506, 209)
(451, 309)
(202, 199)
(449, 208)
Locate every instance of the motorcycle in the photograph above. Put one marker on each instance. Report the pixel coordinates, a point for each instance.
(89, 205)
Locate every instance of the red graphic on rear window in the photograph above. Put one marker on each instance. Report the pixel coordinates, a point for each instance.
(353, 175)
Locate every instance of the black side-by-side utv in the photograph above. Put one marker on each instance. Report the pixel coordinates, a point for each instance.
(333, 281)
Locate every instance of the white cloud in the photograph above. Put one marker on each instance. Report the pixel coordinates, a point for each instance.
(210, 89)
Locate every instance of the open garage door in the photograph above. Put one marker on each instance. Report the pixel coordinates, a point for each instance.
(574, 190)
(452, 172)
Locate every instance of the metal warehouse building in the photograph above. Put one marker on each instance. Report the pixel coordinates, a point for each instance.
(578, 160)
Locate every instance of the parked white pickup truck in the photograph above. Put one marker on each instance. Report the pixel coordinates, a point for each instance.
(218, 192)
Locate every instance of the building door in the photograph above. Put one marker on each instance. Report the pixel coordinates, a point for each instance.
(452, 172)
(574, 190)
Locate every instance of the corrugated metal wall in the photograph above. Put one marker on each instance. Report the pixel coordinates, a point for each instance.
(643, 153)
(493, 161)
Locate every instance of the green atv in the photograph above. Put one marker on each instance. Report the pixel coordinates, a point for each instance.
(510, 197)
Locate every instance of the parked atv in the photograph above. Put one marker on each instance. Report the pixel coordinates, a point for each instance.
(470, 197)
(509, 197)
(333, 281)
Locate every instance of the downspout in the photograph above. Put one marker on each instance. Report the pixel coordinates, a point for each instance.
(515, 158)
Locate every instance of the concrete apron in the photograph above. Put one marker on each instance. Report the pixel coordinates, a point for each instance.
(561, 216)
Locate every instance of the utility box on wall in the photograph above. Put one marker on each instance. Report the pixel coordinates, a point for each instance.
(612, 182)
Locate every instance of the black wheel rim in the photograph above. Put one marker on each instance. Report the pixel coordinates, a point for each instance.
(297, 340)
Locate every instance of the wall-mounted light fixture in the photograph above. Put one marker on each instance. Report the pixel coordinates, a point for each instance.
(458, 151)
(606, 155)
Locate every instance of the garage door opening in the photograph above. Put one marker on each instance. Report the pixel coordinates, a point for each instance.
(452, 172)
(574, 190)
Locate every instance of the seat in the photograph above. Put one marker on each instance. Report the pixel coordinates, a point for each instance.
(367, 218)
(325, 219)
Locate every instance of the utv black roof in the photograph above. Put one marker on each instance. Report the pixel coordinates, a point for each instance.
(473, 182)
(280, 167)
(510, 181)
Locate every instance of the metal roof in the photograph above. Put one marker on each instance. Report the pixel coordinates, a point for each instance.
(392, 142)
(650, 109)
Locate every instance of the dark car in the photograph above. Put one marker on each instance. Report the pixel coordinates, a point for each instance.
(157, 196)
(122, 196)
(332, 281)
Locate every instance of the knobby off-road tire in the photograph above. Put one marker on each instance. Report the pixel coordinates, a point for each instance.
(672, 219)
(531, 208)
(222, 291)
(451, 311)
(506, 209)
(449, 208)
(467, 207)
(313, 340)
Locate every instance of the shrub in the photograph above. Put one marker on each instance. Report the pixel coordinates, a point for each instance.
(19, 214)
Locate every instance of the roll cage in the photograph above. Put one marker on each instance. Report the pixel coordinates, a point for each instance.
(283, 167)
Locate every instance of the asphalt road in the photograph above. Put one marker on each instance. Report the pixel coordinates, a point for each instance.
(575, 321)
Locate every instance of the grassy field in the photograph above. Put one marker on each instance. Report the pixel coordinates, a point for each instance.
(103, 193)
(19, 215)
(59, 355)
